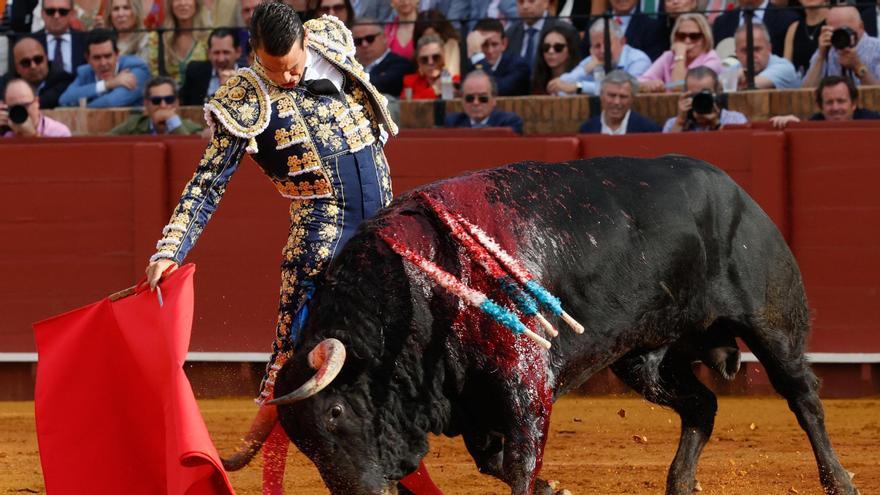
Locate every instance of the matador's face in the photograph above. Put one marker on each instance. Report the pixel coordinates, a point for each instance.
(285, 70)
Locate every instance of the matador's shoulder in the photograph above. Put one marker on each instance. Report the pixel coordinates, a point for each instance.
(241, 105)
(330, 33)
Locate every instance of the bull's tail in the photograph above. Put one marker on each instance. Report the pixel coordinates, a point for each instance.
(264, 422)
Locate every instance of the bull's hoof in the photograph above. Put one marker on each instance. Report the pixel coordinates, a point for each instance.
(551, 487)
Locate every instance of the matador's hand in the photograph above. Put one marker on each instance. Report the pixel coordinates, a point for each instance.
(156, 269)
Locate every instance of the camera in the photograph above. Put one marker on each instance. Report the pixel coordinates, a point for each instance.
(18, 114)
(703, 102)
(843, 37)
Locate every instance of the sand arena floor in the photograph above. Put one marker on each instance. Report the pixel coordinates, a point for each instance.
(757, 449)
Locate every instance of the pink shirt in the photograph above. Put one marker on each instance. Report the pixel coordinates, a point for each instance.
(661, 70)
(406, 51)
(48, 128)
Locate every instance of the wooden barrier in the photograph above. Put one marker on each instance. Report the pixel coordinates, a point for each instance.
(541, 114)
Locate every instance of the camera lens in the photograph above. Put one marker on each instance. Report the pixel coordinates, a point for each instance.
(843, 37)
(704, 102)
(18, 114)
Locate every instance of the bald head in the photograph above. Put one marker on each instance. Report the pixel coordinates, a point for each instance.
(30, 60)
(846, 16)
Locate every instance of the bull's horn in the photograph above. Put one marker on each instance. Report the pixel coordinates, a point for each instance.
(266, 418)
(328, 358)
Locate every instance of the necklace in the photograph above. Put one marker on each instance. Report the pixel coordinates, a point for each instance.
(811, 33)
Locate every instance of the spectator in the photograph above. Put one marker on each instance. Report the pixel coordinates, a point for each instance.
(559, 54)
(184, 40)
(692, 44)
(244, 35)
(582, 79)
(802, 38)
(777, 21)
(108, 80)
(386, 68)
(125, 18)
(671, 10)
(578, 12)
(870, 15)
(373, 9)
(160, 117)
(642, 32)
(772, 71)
(524, 35)
(341, 9)
(503, 10)
(453, 10)
(708, 114)
(30, 63)
(618, 90)
(306, 9)
(487, 51)
(21, 113)
(860, 60)
(838, 100)
(63, 44)
(478, 99)
(399, 32)
(204, 78)
(434, 23)
(425, 83)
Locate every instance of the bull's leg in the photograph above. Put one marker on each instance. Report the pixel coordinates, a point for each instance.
(668, 380)
(791, 376)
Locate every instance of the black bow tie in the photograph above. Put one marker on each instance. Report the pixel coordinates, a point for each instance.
(323, 87)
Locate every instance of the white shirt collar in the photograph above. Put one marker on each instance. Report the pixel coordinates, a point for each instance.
(615, 132)
(368, 68)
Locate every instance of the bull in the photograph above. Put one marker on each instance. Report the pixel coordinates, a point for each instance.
(664, 261)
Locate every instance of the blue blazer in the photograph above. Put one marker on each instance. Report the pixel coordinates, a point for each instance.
(84, 86)
(648, 34)
(496, 119)
(869, 17)
(513, 75)
(637, 123)
(387, 75)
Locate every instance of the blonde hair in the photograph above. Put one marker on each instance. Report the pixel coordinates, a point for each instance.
(701, 22)
(200, 20)
(137, 10)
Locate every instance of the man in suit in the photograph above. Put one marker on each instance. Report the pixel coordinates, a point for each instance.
(524, 35)
(386, 69)
(488, 50)
(777, 21)
(108, 80)
(62, 44)
(642, 32)
(160, 112)
(30, 63)
(478, 99)
(204, 77)
(617, 117)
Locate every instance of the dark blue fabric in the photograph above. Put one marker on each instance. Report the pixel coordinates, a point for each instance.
(388, 74)
(776, 20)
(496, 119)
(512, 75)
(637, 123)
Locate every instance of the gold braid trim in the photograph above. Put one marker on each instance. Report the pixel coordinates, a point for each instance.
(242, 106)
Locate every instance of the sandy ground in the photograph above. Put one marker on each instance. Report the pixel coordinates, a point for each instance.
(757, 449)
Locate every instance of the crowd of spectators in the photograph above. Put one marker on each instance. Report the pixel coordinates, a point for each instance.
(158, 54)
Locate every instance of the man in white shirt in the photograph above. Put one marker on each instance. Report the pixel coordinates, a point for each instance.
(771, 71)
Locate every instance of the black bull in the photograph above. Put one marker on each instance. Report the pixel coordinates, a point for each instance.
(664, 261)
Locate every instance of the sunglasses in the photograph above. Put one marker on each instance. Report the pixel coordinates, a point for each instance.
(157, 100)
(555, 47)
(332, 8)
(430, 59)
(688, 36)
(35, 61)
(480, 98)
(51, 12)
(368, 39)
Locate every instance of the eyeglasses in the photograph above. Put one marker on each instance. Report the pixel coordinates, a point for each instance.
(680, 36)
(480, 98)
(368, 39)
(326, 9)
(52, 11)
(556, 47)
(35, 60)
(168, 99)
(430, 59)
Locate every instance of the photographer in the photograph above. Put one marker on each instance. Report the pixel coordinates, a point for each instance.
(854, 53)
(701, 107)
(21, 113)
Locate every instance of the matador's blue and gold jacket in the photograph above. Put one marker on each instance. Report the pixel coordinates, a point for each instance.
(291, 134)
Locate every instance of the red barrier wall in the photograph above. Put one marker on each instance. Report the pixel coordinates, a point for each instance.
(82, 216)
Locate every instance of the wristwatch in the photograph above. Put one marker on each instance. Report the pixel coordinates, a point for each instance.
(678, 58)
(579, 90)
(861, 71)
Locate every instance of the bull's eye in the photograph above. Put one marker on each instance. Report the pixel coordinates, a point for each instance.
(336, 411)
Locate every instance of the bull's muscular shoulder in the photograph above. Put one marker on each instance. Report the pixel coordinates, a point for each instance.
(329, 32)
(241, 105)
